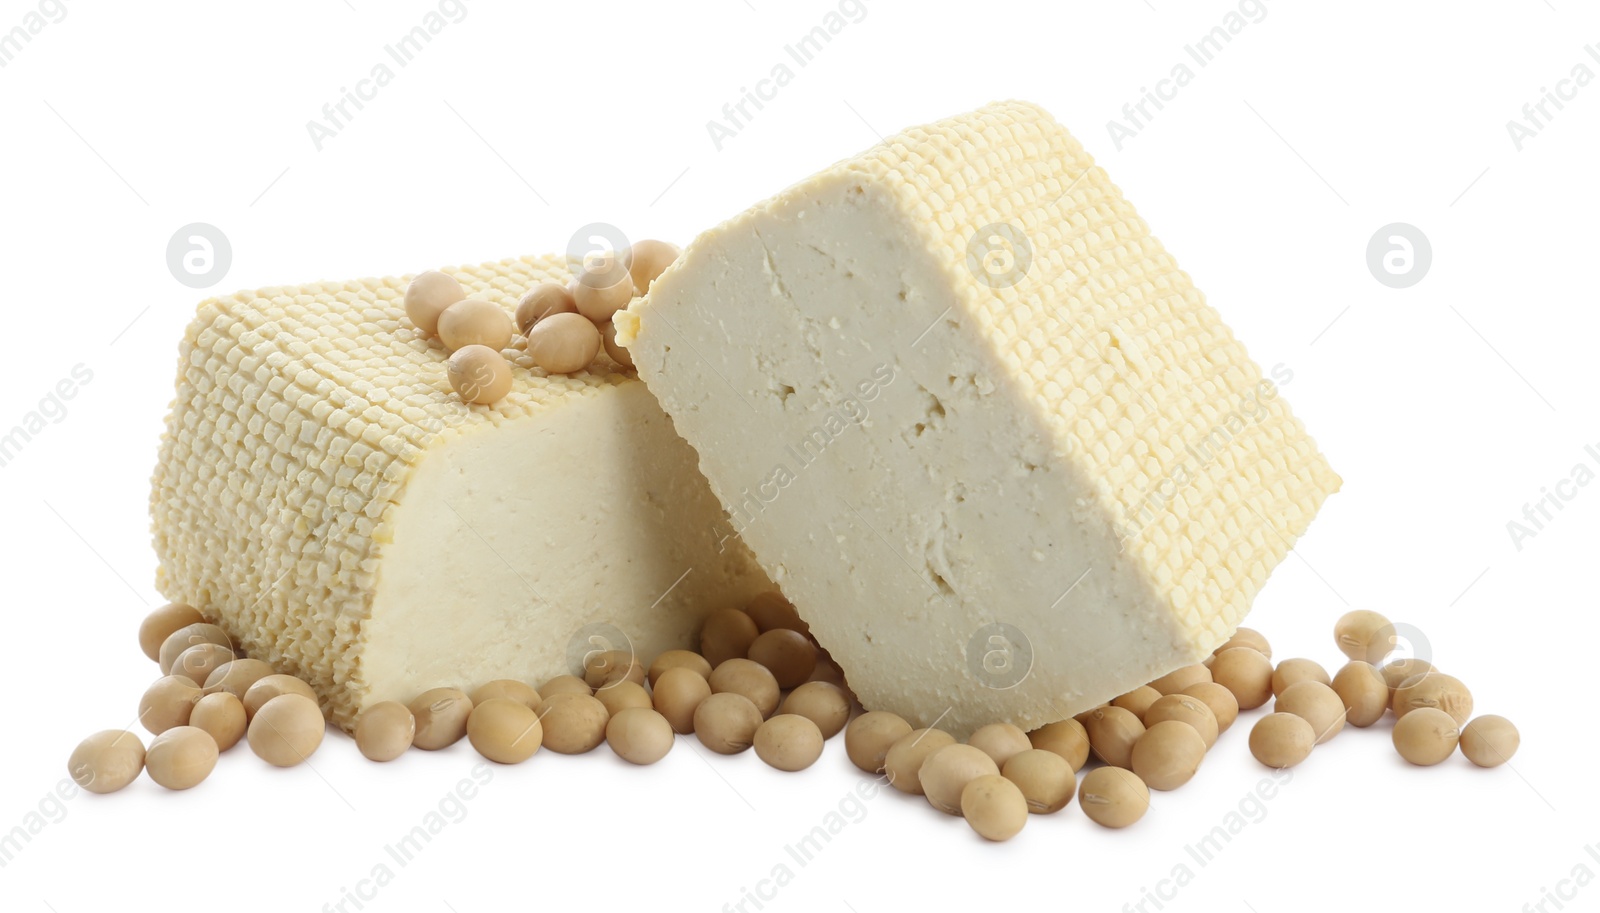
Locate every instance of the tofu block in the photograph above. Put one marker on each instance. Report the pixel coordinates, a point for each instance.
(325, 497)
(976, 423)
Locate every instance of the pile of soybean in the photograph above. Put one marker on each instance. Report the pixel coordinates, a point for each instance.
(759, 680)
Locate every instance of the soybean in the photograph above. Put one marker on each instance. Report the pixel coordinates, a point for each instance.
(270, 686)
(441, 715)
(1363, 691)
(1317, 704)
(788, 655)
(1223, 705)
(788, 741)
(159, 625)
(1138, 700)
(1490, 740)
(1281, 740)
(1046, 779)
(386, 730)
(1000, 741)
(1437, 690)
(904, 760)
(222, 716)
(749, 678)
(1297, 670)
(1066, 738)
(168, 703)
(1360, 635)
(181, 758)
(1168, 754)
(186, 637)
(510, 689)
(1112, 733)
(994, 807)
(639, 735)
(107, 761)
(1425, 736)
(726, 634)
(947, 771)
(823, 703)
(1247, 673)
(1181, 678)
(1190, 711)
(678, 693)
(672, 659)
(286, 730)
(574, 723)
(1113, 797)
(868, 738)
(726, 723)
(504, 731)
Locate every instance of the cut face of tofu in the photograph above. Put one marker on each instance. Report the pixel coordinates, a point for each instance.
(976, 424)
(325, 497)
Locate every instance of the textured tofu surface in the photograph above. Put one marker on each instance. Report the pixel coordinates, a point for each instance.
(977, 424)
(324, 495)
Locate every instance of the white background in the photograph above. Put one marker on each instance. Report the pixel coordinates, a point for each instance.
(1446, 407)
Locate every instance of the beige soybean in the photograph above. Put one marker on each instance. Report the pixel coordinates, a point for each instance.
(509, 689)
(905, 757)
(270, 686)
(1247, 673)
(427, 297)
(573, 723)
(1046, 779)
(788, 741)
(828, 671)
(624, 695)
(563, 343)
(726, 723)
(540, 302)
(504, 731)
(1000, 741)
(604, 669)
(677, 693)
(168, 703)
(286, 730)
(1066, 738)
(749, 678)
(1489, 740)
(948, 770)
(181, 758)
(1317, 704)
(1399, 670)
(823, 703)
(726, 634)
(160, 624)
(1248, 638)
(199, 661)
(237, 676)
(788, 655)
(564, 684)
(868, 738)
(386, 730)
(479, 374)
(648, 259)
(186, 637)
(674, 659)
(603, 290)
(771, 611)
(994, 807)
(107, 761)
(614, 350)
(1113, 797)
(1363, 691)
(1223, 705)
(1297, 670)
(639, 735)
(1112, 733)
(1181, 678)
(1184, 709)
(441, 715)
(475, 322)
(222, 716)
(1437, 690)
(1426, 735)
(1168, 754)
(1281, 740)
(1138, 700)
(1363, 634)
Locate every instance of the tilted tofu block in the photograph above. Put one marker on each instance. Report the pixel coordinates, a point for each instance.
(324, 496)
(977, 425)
